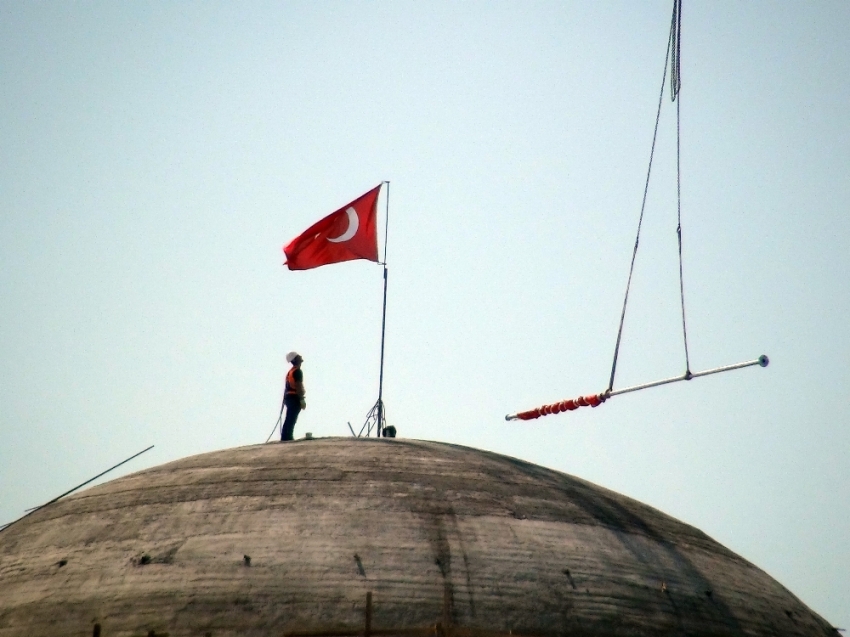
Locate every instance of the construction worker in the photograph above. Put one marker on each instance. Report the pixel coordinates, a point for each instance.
(293, 395)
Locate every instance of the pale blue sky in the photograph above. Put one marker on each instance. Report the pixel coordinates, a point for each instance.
(154, 158)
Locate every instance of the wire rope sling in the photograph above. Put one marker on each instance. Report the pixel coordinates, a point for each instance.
(673, 59)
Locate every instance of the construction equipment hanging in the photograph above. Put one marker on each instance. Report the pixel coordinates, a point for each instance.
(673, 58)
(594, 400)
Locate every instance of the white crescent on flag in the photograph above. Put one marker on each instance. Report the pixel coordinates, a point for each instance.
(353, 225)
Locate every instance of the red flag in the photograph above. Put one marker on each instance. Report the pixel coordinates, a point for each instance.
(345, 235)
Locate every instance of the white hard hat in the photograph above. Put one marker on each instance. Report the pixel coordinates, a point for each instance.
(292, 356)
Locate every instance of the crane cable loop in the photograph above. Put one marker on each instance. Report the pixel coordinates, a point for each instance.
(673, 58)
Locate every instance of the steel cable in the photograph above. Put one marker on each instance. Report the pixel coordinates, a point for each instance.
(667, 57)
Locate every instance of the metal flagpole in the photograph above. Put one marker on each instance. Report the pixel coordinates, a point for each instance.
(376, 414)
(381, 375)
(383, 317)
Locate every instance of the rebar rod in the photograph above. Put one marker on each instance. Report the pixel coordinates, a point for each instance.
(70, 491)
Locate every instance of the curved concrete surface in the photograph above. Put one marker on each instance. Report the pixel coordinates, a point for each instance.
(437, 533)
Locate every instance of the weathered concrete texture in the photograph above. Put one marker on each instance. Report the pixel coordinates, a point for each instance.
(504, 544)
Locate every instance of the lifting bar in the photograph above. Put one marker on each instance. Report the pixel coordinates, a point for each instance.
(594, 400)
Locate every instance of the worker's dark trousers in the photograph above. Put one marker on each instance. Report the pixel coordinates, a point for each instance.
(293, 408)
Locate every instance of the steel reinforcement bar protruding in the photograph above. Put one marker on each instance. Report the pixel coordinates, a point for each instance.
(594, 400)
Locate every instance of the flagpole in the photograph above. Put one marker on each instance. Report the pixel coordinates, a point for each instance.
(383, 317)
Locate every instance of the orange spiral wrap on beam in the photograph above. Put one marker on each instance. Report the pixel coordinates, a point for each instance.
(593, 400)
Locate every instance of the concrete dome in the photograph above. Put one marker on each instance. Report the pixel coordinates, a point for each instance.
(436, 532)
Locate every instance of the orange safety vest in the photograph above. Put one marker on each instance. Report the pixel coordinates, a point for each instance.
(290, 382)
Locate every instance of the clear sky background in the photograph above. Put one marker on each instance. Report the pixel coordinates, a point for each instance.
(155, 157)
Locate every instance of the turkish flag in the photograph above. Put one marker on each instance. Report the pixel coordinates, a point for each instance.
(345, 235)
